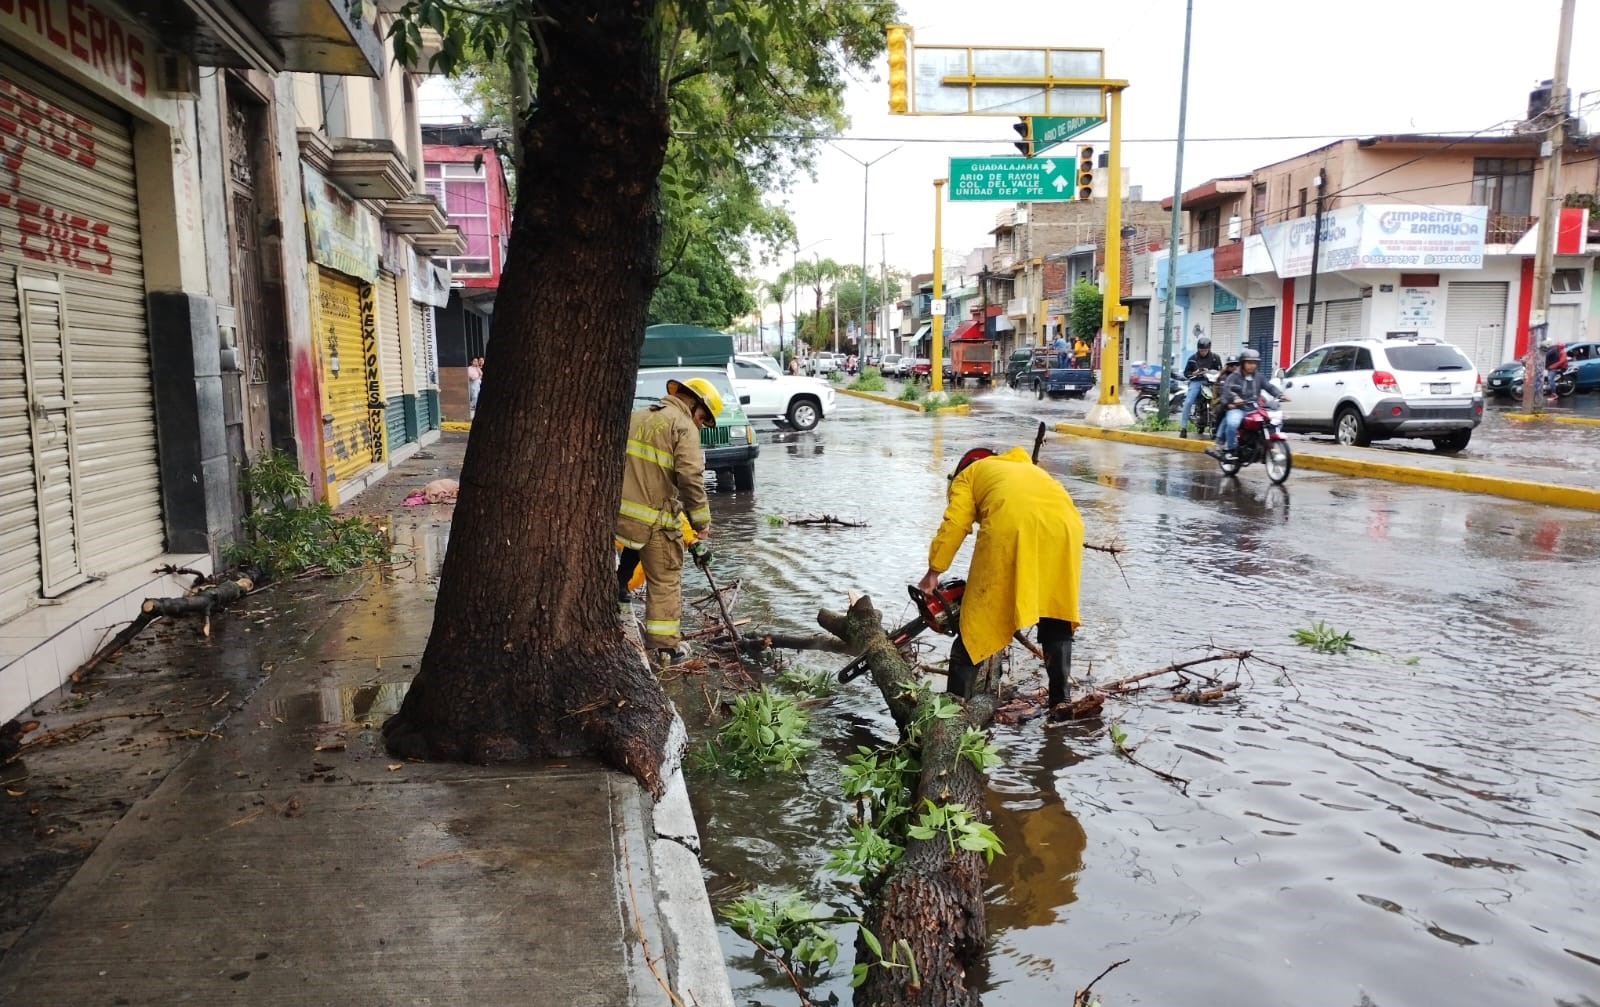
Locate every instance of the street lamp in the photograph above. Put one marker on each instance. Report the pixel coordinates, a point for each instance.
(866, 172)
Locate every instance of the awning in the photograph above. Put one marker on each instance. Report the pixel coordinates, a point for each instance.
(968, 331)
(312, 36)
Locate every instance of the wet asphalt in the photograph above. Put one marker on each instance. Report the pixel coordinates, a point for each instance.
(1416, 823)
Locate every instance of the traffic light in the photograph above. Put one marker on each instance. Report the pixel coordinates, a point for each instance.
(1024, 128)
(899, 57)
(1085, 172)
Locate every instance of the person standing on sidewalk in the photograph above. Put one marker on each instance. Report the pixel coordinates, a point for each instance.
(1025, 566)
(663, 483)
(474, 385)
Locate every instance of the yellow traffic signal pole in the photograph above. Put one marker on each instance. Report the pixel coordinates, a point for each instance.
(936, 355)
(1109, 410)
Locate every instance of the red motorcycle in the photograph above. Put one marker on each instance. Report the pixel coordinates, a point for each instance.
(1261, 440)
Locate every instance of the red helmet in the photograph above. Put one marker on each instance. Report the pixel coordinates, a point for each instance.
(975, 455)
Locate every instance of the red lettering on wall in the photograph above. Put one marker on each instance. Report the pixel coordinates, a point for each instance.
(51, 30)
(136, 64)
(75, 31)
(31, 7)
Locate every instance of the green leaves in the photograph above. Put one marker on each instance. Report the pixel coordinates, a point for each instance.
(1323, 638)
(974, 746)
(959, 827)
(765, 733)
(285, 535)
(785, 920)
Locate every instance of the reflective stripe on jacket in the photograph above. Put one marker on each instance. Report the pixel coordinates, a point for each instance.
(663, 473)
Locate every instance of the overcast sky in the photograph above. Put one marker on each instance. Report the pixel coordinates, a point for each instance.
(1259, 68)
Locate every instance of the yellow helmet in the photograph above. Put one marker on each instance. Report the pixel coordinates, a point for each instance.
(701, 389)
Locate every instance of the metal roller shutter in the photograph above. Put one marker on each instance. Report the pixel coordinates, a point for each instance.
(427, 373)
(1475, 322)
(69, 234)
(354, 436)
(1225, 333)
(392, 357)
(1336, 320)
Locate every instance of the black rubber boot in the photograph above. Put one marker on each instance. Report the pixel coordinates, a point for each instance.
(963, 673)
(1057, 647)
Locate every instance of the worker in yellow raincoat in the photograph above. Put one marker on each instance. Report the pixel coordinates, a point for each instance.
(1025, 566)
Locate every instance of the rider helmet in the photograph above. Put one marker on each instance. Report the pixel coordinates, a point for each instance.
(1248, 354)
(1203, 343)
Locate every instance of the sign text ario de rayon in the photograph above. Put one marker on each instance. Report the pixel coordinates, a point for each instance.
(1010, 179)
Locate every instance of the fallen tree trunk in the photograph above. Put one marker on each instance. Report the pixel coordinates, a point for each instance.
(931, 900)
(200, 603)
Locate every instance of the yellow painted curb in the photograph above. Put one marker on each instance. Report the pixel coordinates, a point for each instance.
(958, 410)
(1587, 421)
(457, 426)
(915, 407)
(1549, 494)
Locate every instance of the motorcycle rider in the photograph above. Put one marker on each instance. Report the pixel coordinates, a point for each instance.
(1194, 372)
(1241, 388)
(1555, 361)
(1218, 407)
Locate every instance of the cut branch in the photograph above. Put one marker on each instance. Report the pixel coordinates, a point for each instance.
(824, 520)
(201, 603)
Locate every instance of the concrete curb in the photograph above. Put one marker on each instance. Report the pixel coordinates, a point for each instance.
(915, 407)
(694, 954)
(1549, 494)
(1587, 421)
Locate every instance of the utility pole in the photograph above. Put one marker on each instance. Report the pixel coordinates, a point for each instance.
(1550, 216)
(866, 174)
(1164, 388)
(881, 343)
(1321, 182)
(936, 352)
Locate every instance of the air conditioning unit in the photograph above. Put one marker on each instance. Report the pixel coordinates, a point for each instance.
(177, 76)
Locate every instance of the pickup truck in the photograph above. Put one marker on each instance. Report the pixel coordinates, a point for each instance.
(1044, 378)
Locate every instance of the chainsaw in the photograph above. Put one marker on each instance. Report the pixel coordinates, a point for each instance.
(938, 610)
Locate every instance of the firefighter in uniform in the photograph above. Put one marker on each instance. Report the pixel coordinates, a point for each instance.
(663, 484)
(1025, 566)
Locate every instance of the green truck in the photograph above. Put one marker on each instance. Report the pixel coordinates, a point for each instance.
(681, 352)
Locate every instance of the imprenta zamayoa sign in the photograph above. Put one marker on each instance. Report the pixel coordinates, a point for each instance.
(1380, 236)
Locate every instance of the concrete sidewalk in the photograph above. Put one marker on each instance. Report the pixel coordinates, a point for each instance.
(285, 858)
(1577, 488)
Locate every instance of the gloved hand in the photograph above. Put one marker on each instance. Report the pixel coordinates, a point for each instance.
(701, 553)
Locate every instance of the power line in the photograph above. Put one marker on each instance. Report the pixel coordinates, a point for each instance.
(827, 137)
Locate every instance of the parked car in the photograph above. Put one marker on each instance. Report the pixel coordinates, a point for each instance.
(800, 402)
(730, 447)
(823, 362)
(895, 365)
(1583, 358)
(1373, 389)
(921, 368)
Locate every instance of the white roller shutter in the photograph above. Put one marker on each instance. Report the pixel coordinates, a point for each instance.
(69, 222)
(1225, 333)
(1475, 321)
(391, 359)
(1336, 320)
(422, 358)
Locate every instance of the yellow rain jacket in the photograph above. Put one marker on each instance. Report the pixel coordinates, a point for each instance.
(1029, 554)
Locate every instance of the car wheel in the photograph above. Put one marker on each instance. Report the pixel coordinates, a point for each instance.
(1515, 391)
(1279, 461)
(804, 413)
(744, 478)
(1349, 429)
(1452, 443)
(1038, 389)
(724, 480)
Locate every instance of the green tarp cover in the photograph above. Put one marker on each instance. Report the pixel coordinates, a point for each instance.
(685, 346)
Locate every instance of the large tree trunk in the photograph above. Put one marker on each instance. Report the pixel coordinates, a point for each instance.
(527, 656)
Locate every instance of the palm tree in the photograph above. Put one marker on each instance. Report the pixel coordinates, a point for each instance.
(778, 288)
(816, 274)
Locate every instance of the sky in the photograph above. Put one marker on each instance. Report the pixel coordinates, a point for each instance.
(1259, 68)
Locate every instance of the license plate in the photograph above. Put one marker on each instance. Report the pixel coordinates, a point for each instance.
(1441, 388)
(1497, 382)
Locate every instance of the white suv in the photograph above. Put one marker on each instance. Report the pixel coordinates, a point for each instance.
(801, 402)
(1366, 390)
(822, 362)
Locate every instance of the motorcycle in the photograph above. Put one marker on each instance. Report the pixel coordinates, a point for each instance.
(1147, 402)
(1566, 383)
(1261, 440)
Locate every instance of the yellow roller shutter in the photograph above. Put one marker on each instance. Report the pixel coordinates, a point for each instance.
(354, 437)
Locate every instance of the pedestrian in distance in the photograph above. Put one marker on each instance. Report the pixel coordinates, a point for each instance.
(1026, 564)
(474, 385)
(663, 483)
(1080, 352)
(1201, 361)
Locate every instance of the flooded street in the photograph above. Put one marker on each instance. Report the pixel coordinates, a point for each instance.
(1418, 824)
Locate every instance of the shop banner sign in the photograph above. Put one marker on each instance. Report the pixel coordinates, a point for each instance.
(343, 234)
(1381, 236)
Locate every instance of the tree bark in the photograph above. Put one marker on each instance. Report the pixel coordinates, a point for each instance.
(933, 897)
(527, 656)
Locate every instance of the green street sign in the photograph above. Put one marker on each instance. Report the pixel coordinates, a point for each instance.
(1049, 130)
(1010, 179)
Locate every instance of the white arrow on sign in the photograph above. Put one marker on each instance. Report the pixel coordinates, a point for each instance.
(1049, 166)
(1059, 183)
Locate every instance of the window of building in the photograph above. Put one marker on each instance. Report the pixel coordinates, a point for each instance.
(464, 191)
(1567, 281)
(1303, 202)
(334, 120)
(1208, 225)
(1503, 184)
(1258, 207)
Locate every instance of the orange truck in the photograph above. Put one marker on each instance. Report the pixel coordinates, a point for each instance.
(971, 355)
